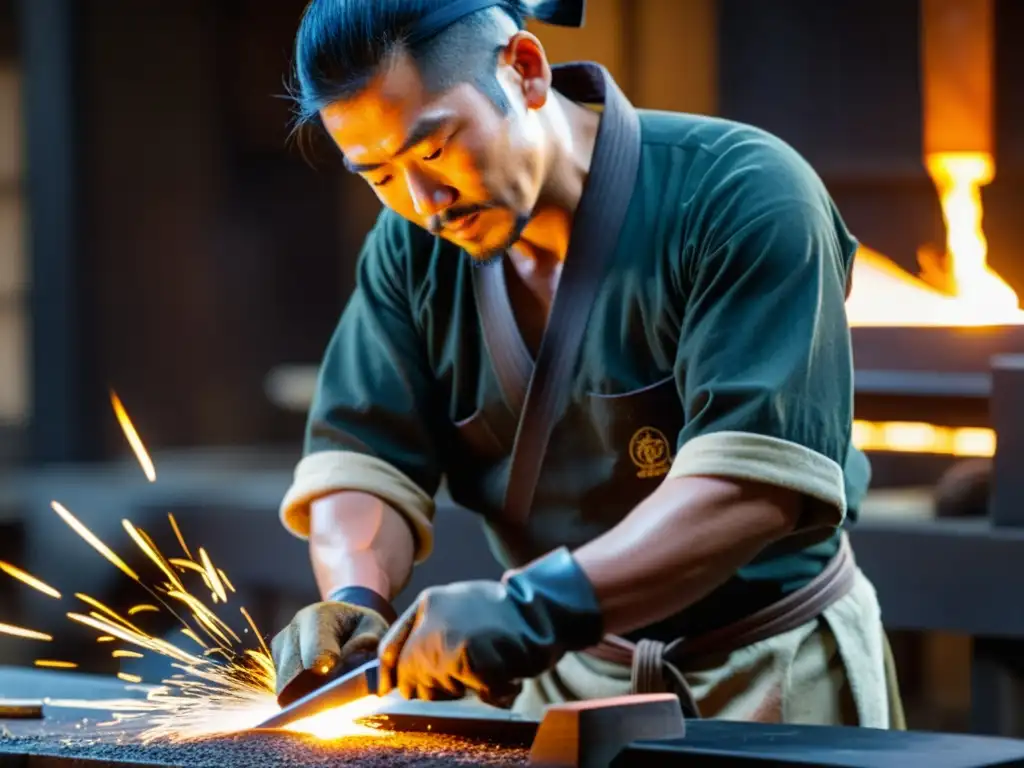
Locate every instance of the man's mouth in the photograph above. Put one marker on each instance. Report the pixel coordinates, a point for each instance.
(464, 224)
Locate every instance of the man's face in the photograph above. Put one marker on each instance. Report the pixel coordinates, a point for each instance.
(449, 162)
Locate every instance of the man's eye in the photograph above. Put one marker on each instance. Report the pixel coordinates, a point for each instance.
(435, 154)
(382, 182)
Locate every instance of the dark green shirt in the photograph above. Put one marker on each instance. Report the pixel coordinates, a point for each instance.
(720, 325)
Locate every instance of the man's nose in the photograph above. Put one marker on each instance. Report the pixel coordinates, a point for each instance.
(428, 196)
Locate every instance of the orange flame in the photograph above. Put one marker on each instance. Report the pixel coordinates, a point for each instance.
(885, 295)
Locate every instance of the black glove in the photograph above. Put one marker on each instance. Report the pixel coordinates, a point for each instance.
(328, 639)
(487, 636)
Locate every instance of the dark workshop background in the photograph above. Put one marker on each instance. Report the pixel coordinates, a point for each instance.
(160, 236)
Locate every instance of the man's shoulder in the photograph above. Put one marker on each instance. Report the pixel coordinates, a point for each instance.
(727, 161)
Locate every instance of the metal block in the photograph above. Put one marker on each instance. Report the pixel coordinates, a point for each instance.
(589, 734)
(1006, 505)
(720, 743)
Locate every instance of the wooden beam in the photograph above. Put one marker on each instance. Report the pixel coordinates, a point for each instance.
(675, 55)
(957, 53)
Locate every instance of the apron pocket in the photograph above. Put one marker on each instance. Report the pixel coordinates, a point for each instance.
(640, 428)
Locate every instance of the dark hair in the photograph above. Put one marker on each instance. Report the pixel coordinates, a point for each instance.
(341, 45)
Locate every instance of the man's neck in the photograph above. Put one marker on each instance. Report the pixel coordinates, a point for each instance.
(572, 134)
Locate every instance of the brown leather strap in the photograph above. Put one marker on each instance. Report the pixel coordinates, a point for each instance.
(655, 665)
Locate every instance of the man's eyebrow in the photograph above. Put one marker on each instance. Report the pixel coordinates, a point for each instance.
(422, 130)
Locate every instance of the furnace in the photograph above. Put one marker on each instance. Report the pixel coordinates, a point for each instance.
(924, 344)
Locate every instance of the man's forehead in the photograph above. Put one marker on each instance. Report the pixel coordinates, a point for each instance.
(379, 118)
(391, 96)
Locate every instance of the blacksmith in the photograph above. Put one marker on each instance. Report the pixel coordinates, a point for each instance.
(619, 335)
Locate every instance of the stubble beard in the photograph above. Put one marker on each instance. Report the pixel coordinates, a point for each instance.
(494, 256)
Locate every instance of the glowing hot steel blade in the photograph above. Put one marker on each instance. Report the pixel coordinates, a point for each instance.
(341, 722)
(133, 438)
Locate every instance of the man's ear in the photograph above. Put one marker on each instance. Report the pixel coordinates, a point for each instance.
(525, 54)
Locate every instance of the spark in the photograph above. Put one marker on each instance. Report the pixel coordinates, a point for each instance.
(129, 678)
(29, 634)
(122, 654)
(140, 608)
(204, 614)
(188, 565)
(146, 545)
(256, 632)
(133, 438)
(49, 664)
(211, 574)
(109, 611)
(91, 540)
(144, 641)
(178, 536)
(105, 639)
(29, 580)
(225, 579)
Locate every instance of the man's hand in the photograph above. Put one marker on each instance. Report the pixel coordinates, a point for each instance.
(486, 636)
(322, 642)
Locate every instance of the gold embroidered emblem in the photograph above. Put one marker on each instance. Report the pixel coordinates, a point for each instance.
(650, 451)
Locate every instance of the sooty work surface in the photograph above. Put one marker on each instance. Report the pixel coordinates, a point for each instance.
(70, 738)
(258, 750)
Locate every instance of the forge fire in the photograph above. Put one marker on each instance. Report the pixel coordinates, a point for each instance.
(955, 287)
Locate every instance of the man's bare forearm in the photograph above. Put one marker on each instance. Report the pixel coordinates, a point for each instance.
(357, 540)
(682, 542)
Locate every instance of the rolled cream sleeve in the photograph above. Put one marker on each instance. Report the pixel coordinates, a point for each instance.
(328, 472)
(770, 460)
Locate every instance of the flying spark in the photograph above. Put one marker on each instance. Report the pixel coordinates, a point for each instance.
(30, 634)
(29, 580)
(133, 438)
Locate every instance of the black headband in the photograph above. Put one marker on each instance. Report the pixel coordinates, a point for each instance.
(564, 13)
